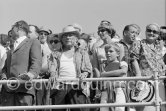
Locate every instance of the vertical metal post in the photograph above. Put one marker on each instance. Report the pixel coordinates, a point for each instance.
(165, 12)
(156, 85)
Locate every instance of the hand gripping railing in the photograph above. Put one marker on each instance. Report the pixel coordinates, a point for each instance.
(156, 103)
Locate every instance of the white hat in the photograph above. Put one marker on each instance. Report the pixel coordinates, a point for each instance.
(69, 29)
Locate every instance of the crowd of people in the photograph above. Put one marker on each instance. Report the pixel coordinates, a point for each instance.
(28, 52)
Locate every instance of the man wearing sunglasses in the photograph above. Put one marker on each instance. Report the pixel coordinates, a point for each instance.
(42, 94)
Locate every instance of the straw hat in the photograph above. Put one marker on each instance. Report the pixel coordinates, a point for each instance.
(69, 29)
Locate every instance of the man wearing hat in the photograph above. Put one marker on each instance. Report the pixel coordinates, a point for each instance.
(42, 94)
(70, 63)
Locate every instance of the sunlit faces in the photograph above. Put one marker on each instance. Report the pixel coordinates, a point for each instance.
(111, 54)
(103, 32)
(152, 32)
(69, 39)
(43, 37)
(131, 34)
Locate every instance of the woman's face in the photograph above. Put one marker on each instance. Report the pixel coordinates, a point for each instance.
(55, 44)
(152, 33)
(103, 33)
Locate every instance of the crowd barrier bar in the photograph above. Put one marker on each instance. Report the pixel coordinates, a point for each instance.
(156, 103)
(87, 79)
(73, 106)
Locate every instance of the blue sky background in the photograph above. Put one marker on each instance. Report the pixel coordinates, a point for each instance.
(55, 14)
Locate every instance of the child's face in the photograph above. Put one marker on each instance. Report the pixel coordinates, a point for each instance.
(111, 54)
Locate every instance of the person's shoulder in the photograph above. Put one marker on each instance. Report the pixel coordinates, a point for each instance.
(123, 63)
(34, 41)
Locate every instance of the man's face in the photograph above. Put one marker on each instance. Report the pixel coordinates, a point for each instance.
(69, 39)
(152, 33)
(14, 33)
(33, 33)
(43, 37)
(131, 34)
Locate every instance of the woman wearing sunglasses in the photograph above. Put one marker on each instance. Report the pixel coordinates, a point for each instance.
(147, 59)
(54, 42)
(107, 34)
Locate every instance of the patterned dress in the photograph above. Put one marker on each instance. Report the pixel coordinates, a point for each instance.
(149, 57)
(150, 60)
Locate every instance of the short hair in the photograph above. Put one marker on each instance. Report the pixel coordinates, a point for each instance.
(104, 24)
(9, 33)
(153, 24)
(127, 27)
(115, 46)
(163, 27)
(22, 25)
(36, 28)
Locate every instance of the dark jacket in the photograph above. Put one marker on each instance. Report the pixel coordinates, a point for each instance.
(25, 58)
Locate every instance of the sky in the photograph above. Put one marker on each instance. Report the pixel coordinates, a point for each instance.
(56, 14)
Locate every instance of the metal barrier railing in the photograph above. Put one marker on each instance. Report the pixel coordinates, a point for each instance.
(156, 103)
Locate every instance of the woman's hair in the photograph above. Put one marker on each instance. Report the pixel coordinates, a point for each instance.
(104, 24)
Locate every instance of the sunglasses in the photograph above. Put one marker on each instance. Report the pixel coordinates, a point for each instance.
(102, 30)
(154, 31)
(54, 41)
(43, 33)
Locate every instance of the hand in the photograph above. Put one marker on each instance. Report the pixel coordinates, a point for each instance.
(53, 79)
(26, 76)
(83, 75)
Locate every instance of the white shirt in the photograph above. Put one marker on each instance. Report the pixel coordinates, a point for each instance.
(18, 41)
(67, 68)
(2, 51)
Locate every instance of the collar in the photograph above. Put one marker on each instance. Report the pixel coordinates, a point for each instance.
(20, 39)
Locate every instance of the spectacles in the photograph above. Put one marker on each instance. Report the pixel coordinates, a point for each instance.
(55, 41)
(43, 33)
(154, 31)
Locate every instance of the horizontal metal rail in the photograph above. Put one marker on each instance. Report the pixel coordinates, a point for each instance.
(84, 105)
(87, 79)
(74, 106)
